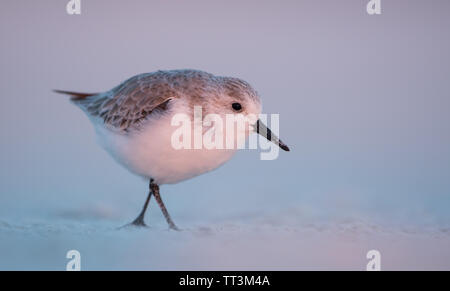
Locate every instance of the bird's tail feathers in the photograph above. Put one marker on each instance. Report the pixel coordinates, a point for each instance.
(75, 96)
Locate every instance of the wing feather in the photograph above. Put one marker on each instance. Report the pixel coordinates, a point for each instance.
(126, 106)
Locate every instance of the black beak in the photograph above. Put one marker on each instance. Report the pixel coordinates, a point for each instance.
(263, 130)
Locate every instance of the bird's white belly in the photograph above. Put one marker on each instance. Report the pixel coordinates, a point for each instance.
(149, 153)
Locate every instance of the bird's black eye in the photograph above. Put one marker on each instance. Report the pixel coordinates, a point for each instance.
(236, 106)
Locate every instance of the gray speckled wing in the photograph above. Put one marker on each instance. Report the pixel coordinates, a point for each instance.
(127, 105)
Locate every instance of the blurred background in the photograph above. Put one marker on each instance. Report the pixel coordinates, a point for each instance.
(363, 100)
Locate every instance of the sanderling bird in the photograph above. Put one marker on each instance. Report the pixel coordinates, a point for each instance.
(133, 124)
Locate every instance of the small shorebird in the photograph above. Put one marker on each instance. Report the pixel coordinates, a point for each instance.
(133, 124)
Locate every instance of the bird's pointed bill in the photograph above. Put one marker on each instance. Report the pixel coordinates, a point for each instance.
(263, 130)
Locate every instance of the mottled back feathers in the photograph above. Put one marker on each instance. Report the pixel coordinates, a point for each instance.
(126, 106)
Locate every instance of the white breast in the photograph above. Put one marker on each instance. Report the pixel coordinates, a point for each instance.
(149, 152)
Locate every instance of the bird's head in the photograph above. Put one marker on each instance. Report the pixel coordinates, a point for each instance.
(237, 99)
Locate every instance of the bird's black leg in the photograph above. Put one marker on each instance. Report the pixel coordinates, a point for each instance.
(139, 221)
(155, 190)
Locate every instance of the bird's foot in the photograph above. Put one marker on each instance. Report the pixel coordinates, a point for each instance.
(172, 226)
(138, 222)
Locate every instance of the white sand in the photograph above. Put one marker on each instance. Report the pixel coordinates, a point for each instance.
(273, 242)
